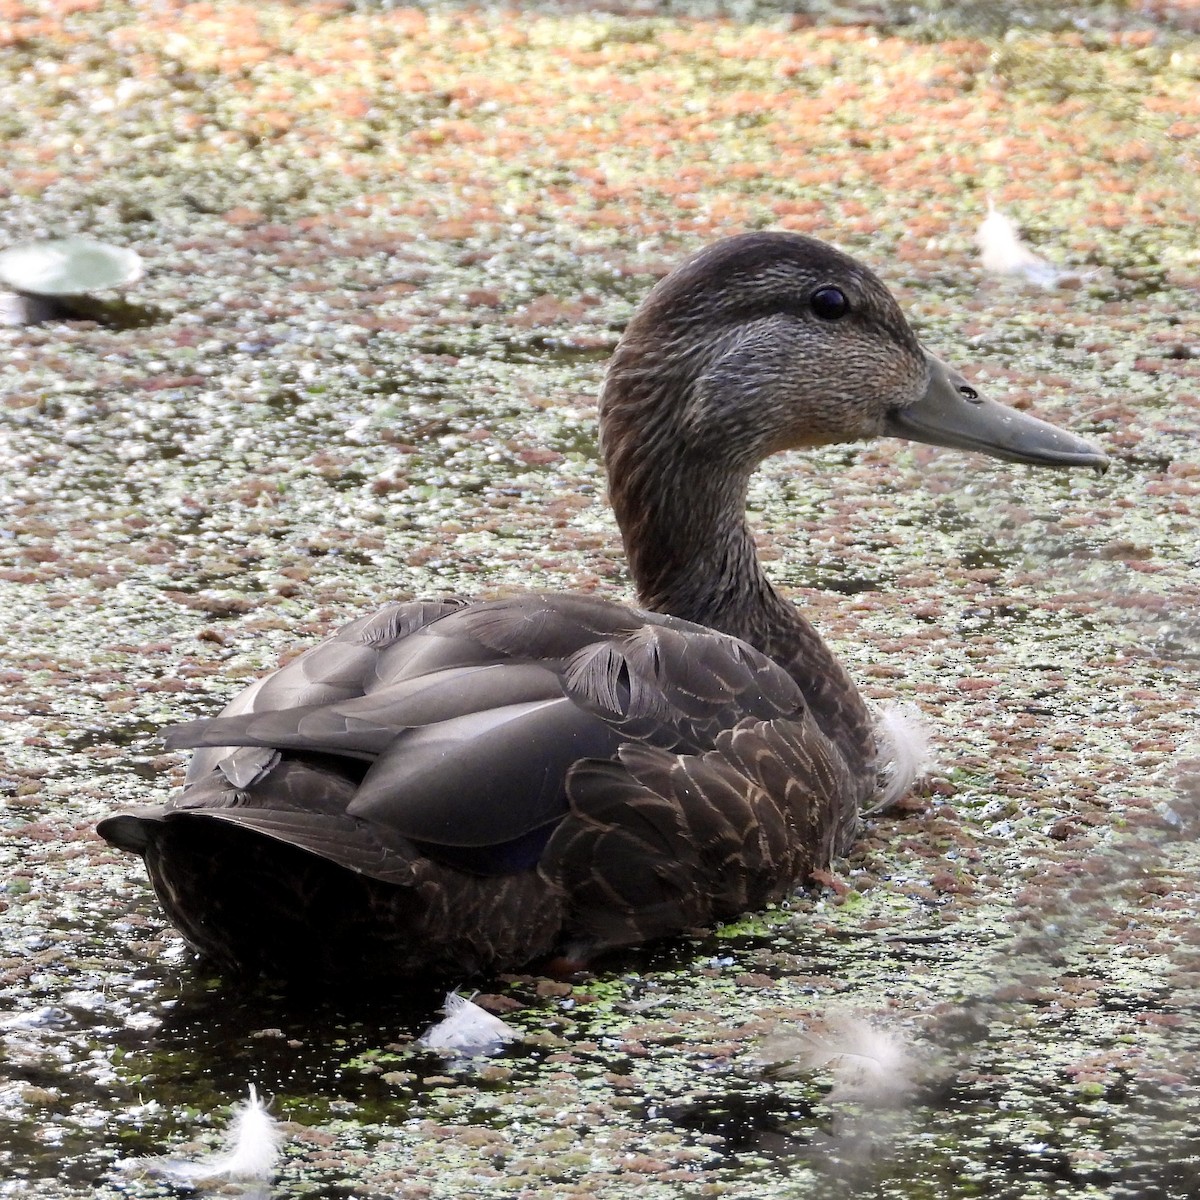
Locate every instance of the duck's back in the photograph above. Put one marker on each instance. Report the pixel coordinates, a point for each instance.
(466, 787)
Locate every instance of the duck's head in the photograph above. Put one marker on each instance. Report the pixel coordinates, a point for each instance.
(773, 341)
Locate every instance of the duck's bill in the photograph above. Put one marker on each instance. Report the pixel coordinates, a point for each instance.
(952, 413)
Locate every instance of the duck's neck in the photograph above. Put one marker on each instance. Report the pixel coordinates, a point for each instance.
(692, 555)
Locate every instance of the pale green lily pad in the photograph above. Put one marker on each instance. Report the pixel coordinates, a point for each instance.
(68, 267)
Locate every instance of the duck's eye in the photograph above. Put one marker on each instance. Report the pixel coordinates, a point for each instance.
(829, 303)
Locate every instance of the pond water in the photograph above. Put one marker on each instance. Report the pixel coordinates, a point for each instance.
(389, 251)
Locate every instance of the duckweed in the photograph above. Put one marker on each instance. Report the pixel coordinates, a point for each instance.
(388, 250)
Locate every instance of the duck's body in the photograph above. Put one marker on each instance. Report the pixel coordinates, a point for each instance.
(461, 788)
(466, 787)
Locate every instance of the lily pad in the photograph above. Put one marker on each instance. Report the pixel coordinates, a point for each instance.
(68, 267)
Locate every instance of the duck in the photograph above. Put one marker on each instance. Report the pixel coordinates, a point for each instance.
(455, 788)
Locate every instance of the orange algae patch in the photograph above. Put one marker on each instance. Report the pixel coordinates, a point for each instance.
(709, 124)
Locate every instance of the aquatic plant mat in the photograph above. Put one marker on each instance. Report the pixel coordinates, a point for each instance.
(387, 252)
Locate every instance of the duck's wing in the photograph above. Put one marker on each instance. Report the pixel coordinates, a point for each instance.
(459, 728)
(659, 841)
(340, 667)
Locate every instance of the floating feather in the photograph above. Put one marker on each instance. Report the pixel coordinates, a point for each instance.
(1004, 253)
(251, 1152)
(869, 1064)
(903, 741)
(468, 1030)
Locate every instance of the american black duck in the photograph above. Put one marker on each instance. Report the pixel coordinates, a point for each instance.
(453, 788)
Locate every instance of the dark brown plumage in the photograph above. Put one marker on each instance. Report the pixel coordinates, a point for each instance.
(461, 788)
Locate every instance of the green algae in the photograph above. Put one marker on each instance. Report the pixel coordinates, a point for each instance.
(322, 417)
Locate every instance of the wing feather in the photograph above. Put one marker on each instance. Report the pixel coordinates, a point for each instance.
(679, 762)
